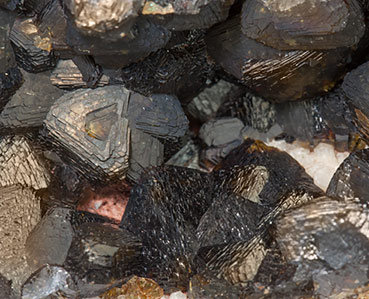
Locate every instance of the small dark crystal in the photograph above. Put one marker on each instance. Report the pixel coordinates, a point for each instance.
(160, 116)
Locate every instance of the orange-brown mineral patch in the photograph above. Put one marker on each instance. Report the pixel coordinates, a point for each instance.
(108, 201)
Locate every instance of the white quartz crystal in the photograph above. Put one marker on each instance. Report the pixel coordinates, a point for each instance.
(320, 163)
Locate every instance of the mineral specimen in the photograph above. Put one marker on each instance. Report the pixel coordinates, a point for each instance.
(349, 181)
(50, 281)
(102, 129)
(303, 25)
(49, 241)
(164, 210)
(113, 18)
(110, 115)
(67, 75)
(27, 109)
(355, 88)
(220, 135)
(206, 104)
(180, 70)
(328, 240)
(277, 74)
(33, 51)
(144, 38)
(100, 251)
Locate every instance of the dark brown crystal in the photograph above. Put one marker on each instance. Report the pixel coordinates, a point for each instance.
(303, 25)
(275, 74)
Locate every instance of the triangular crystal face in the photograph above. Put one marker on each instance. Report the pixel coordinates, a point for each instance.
(99, 122)
(90, 125)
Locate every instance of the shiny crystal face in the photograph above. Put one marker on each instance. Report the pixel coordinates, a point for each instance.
(49, 281)
(102, 15)
(301, 11)
(91, 125)
(99, 122)
(302, 24)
